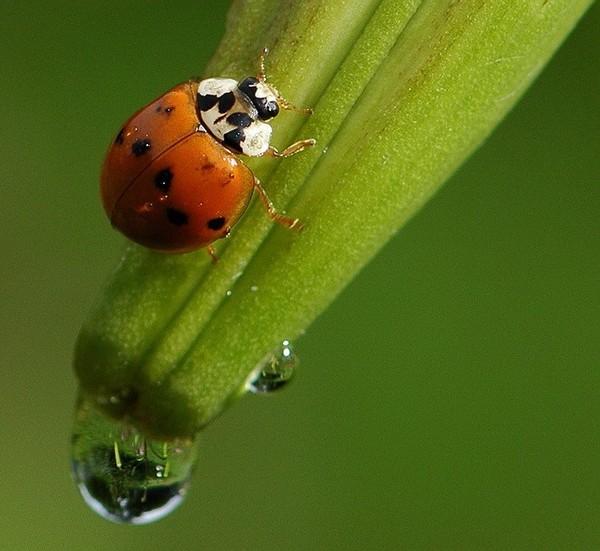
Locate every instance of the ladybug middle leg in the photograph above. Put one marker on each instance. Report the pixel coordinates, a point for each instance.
(287, 221)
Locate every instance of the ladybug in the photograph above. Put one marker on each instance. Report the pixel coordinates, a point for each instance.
(172, 179)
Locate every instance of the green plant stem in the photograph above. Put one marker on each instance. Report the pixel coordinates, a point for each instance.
(403, 92)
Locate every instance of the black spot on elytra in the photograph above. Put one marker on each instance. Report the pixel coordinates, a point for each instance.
(163, 179)
(177, 217)
(216, 224)
(139, 147)
(234, 138)
(120, 137)
(167, 110)
(207, 166)
(241, 120)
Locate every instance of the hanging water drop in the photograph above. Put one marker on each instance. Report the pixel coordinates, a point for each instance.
(274, 372)
(123, 476)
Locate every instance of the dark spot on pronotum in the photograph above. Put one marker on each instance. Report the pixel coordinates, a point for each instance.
(177, 217)
(139, 147)
(163, 179)
(120, 137)
(206, 102)
(234, 138)
(241, 120)
(216, 224)
(226, 102)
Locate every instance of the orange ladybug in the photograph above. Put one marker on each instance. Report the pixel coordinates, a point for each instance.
(172, 179)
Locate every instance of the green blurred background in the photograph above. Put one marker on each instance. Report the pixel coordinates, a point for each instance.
(448, 399)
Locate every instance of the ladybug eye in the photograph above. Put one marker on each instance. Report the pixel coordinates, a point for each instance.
(268, 109)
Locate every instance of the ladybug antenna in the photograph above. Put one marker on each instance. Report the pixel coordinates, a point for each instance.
(282, 102)
(262, 75)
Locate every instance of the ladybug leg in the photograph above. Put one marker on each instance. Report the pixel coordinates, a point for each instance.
(290, 149)
(285, 104)
(272, 213)
(213, 253)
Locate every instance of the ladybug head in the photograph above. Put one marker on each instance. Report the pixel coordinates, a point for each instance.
(262, 96)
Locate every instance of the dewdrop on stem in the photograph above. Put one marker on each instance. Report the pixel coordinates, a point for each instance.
(274, 372)
(123, 476)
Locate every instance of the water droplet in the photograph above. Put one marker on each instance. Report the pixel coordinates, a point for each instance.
(274, 372)
(123, 476)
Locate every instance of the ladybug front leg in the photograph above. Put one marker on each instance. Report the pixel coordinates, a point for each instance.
(290, 149)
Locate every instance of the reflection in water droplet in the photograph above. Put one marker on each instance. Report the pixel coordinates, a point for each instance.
(123, 476)
(274, 372)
